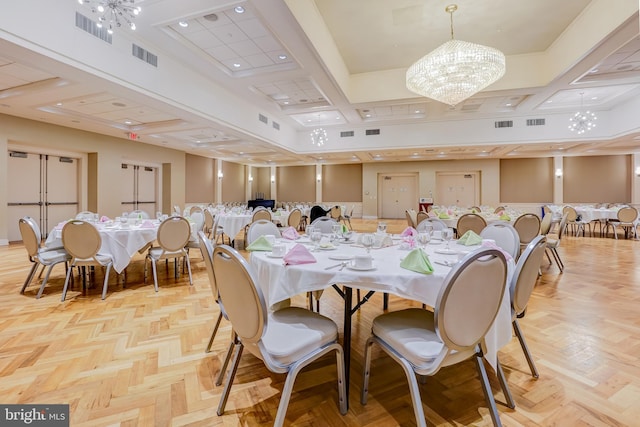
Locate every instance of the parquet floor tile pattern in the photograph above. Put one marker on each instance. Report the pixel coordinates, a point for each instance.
(137, 358)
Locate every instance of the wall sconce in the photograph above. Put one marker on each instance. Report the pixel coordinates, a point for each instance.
(219, 174)
(558, 173)
(273, 179)
(250, 178)
(319, 177)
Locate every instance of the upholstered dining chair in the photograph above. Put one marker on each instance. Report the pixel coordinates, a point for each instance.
(411, 217)
(522, 283)
(346, 218)
(336, 213)
(217, 232)
(38, 254)
(553, 244)
(295, 216)
(258, 214)
(470, 221)
(193, 209)
(82, 241)
(173, 236)
(572, 217)
(286, 340)
(324, 223)
(627, 221)
(422, 341)
(499, 209)
(259, 228)
(208, 223)
(528, 227)
(545, 224)
(197, 226)
(436, 224)
(505, 236)
(85, 216)
(421, 216)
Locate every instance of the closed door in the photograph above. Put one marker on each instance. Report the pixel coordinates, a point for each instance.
(397, 193)
(44, 187)
(459, 189)
(138, 185)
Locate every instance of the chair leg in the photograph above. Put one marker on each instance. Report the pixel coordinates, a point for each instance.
(367, 371)
(44, 282)
(504, 385)
(230, 377)
(189, 269)
(486, 387)
(66, 282)
(556, 255)
(227, 358)
(213, 334)
(525, 348)
(29, 278)
(106, 281)
(155, 274)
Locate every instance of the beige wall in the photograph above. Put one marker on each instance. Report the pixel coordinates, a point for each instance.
(526, 180)
(296, 183)
(233, 183)
(342, 183)
(110, 153)
(200, 186)
(262, 182)
(597, 179)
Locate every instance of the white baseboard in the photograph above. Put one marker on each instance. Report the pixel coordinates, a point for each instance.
(369, 217)
(4, 242)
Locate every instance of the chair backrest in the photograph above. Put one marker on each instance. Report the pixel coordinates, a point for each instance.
(547, 210)
(470, 298)
(627, 214)
(198, 224)
(528, 226)
(261, 214)
(505, 235)
(499, 209)
(208, 220)
(194, 209)
(545, 224)
(85, 215)
(436, 224)
(177, 210)
(81, 239)
(243, 301)
(336, 212)
(174, 233)
(316, 212)
(570, 212)
(324, 223)
(470, 221)
(295, 216)
(411, 217)
(206, 248)
(421, 216)
(526, 274)
(562, 226)
(475, 209)
(139, 213)
(259, 228)
(29, 237)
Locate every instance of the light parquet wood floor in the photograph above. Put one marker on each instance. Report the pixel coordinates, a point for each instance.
(137, 358)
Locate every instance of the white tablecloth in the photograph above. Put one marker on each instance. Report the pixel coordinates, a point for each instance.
(591, 214)
(122, 244)
(279, 282)
(232, 223)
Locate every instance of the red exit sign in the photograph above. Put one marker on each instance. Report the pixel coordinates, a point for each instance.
(133, 136)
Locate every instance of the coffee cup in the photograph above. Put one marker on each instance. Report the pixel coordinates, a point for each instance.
(278, 250)
(270, 238)
(363, 261)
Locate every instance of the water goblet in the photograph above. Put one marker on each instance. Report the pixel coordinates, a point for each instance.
(424, 237)
(124, 218)
(316, 237)
(382, 228)
(367, 241)
(447, 235)
(335, 231)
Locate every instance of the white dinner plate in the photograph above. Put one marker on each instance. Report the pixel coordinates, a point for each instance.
(271, 255)
(353, 267)
(341, 257)
(327, 248)
(446, 251)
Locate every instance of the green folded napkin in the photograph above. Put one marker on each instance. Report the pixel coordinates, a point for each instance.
(260, 244)
(443, 215)
(505, 217)
(470, 238)
(418, 261)
(344, 229)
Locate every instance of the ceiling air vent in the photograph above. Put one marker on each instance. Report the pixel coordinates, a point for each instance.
(275, 125)
(90, 27)
(65, 160)
(535, 122)
(263, 118)
(346, 133)
(144, 54)
(372, 132)
(504, 124)
(18, 154)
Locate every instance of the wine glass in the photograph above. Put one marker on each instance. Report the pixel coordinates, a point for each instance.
(424, 237)
(447, 235)
(124, 218)
(367, 241)
(382, 228)
(335, 231)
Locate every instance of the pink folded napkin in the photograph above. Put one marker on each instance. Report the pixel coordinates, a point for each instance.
(290, 233)
(147, 224)
(408, 232)
(492, 245)
(299, 255)
(105, 218)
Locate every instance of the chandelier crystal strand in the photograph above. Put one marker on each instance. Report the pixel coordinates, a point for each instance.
(318, 137)
(113, 13)
(456, 70)
(582, 121)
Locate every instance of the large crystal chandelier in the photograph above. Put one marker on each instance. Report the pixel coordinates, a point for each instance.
(582, 121)
(113, 13)
(319, 137)
(456, 70)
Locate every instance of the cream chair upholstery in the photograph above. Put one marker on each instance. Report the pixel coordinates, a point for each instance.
(286, 340)
(412, 218)
(521, 286)
(324, 223)
(39, 255)
(193, 209)
(336, 213)
(422, 341)
(208, 223)
(553, 244)
(295, 216)
(82, 241)
(346, 218)
(436, 224)
(505, 236)
(470, 221)
(421, 216)
(173, 236)
(528, 227)
(259, 228)
(545, 224)
(627, 221)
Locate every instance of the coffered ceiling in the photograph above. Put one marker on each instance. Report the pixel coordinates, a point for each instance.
(246, 81)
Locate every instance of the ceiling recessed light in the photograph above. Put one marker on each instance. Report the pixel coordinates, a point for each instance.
(286, 102)
(367, 115)
(508, 104)
(417, 111)
(594, 98)
(59, 104)
(183, 24)
(238, 9)
(282, 57)
(127, 122)
(549, 101)
(235, 64)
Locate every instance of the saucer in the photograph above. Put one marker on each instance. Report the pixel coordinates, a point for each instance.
(271, 255)
(327, 248)
(341, 257)
(351, 266)
(446, 251)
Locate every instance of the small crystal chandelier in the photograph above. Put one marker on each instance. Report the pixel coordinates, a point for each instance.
(112, 13)
(456, 70)
(319, 137)
(582, 121)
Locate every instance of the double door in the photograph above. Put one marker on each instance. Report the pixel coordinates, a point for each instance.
(42, 186)
(138, 185)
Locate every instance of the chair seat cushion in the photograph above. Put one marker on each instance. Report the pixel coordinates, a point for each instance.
(53, 256)
(158, 253)
(102, 259)
(411, 333)
(553, 243)
(294, 332)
